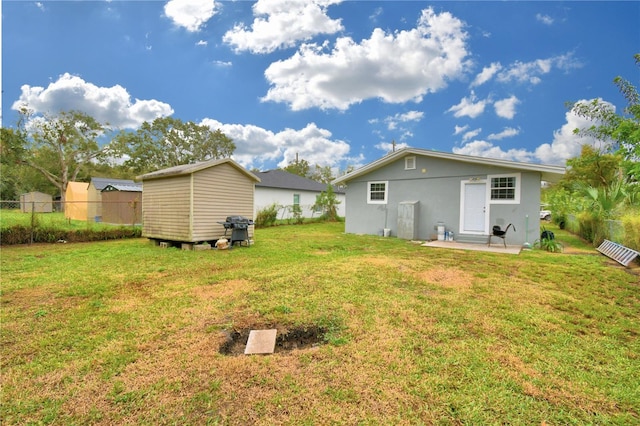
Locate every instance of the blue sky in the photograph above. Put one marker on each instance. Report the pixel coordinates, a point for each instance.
(334, 82)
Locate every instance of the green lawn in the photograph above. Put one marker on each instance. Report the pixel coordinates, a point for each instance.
(122, 332)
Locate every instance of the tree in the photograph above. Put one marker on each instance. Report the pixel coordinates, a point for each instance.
(593, 168)
(56, 146)
(622, 131)
(168, 142)
(299, 167)
(327, 202)
(322, 174)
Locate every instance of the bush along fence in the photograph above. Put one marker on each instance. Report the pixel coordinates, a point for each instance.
(625, 232)
(32, 222)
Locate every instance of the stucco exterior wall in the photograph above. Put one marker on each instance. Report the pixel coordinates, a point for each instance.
(436, 184)
(265, 196)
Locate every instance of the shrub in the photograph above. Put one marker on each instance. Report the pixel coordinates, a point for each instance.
(267, 216)
(20, 234)
(631, 223)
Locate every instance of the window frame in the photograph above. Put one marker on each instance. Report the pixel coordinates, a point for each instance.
(386, 191)
(410, 163)
(516, 188)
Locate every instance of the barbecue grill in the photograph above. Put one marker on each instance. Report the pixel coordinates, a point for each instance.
(239, 227)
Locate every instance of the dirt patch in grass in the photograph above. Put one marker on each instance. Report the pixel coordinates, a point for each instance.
(447, 277)
(287, 339)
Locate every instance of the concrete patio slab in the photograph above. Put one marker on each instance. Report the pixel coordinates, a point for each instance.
(454, 245)
(261, 342)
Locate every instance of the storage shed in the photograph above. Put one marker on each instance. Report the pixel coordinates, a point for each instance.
(76, 201)
(37, 202)
(186, 203)
(122, 204)
(94, 196)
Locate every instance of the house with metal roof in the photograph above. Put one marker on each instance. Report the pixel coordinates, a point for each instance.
(415, 193)
(287, 190)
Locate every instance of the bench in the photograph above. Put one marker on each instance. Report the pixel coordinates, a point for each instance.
(617, 252)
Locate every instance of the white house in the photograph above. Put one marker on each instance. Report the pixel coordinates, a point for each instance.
(286, 190)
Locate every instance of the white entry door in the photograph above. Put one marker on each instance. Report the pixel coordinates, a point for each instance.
(473, 212)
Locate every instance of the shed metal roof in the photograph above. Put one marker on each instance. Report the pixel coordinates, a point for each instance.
(549, 173)
(132, 187)
(285, 180)
(101, 183)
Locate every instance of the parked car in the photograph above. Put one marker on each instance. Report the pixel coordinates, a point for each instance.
(545, 215)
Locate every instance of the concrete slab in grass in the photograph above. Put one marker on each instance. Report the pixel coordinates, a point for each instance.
(261, 342)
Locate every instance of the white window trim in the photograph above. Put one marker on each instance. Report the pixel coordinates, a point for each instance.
(516, 196)
(410, 163)
(386, 192)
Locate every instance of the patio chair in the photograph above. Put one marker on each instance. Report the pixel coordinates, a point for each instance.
(498, 232)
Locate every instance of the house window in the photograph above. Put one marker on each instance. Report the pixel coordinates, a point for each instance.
(296, 199)
(377, 192)
(410, 163)
(505, 189)
(317, 208)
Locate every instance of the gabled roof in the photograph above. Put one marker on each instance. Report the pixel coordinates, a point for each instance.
(130, 187)
(101, 183)
(549, 173)
(187, 169)
(285, 180)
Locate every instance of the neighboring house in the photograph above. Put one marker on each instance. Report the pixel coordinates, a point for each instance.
(410, 192)
(287, 189)
(122, 204)
(94, 196)
(37, 202)
(186, 203)
(76, 197)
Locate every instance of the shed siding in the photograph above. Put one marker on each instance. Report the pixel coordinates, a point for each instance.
(94, 203)
(166, 212)
(219, 192)
(121, 207)
(37, 202)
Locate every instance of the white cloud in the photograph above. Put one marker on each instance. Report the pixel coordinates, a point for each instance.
(459, 129)
(487, 149)
(508, 132)
(395, 120)
(283, 23)
(471, 134)
(202, 43)
(468, 107)
(399, 67)
(545, 19)
(256, 146)
(486, 74)
(40, 5)
(523, 72)
(111, 105)
(390, 147)
(565, 144)
(506, 108)
(191, 14)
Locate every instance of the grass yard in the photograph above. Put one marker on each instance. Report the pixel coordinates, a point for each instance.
(122, 332)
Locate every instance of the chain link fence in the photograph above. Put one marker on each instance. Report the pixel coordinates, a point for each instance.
(28, 221)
